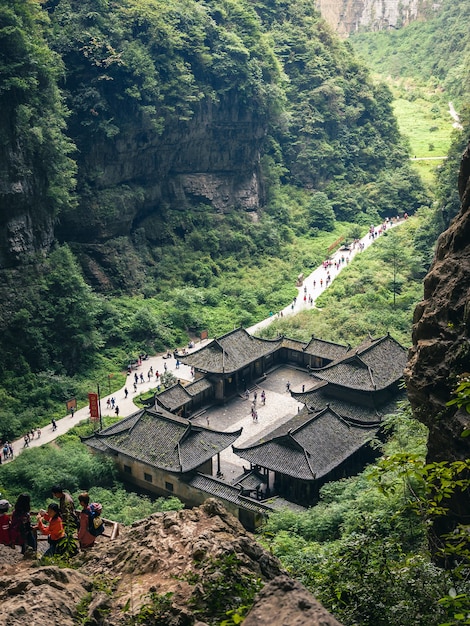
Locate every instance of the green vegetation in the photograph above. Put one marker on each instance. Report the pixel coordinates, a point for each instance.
(157, 610)
(435, 50)
(226, 588)
(100, 584)
(363, 550)
(425, 126)
(34, 148)
(426, 65)
(77, 469)
(376, 294)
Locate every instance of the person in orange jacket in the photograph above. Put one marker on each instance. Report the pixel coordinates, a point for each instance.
(54, 529)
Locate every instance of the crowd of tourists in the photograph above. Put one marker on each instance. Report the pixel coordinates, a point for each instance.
(61, 523)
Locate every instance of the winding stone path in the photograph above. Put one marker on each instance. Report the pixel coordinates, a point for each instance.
(183, 373)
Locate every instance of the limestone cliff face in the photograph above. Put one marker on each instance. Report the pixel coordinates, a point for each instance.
(349, 16)
(173, 568)
(26, 221)
(441, 335)
(212, 159)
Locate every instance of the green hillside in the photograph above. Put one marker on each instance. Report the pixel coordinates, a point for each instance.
(150, 107)
(426, 65)
(436, 51)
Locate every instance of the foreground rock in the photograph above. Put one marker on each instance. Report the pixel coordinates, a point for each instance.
(176, 569)
(285, 602)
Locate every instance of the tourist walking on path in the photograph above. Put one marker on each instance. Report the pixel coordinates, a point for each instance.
(158, 362)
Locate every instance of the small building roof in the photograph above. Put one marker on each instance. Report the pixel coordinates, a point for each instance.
(326, 349)
(373, 366)
(281, 504)
(162, 440)
(250, 480)
(174, 397)
(198, 386)
(319, 397)
(231, 352)
(222, 490)
(293, 344)
(310, 445)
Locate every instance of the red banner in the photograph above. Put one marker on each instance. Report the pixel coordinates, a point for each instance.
(94, 408)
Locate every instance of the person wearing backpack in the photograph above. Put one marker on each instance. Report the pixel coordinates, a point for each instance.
(90, 513)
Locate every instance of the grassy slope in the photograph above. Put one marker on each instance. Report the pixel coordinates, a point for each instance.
(361, 299)
(420, 101)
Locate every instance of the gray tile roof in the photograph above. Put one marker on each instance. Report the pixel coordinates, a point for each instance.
(174, 397)
(280, 504)
(375, 365)
(386, 358)
(293, 344)
(218, 489)
(320, 397)
(198, 386)
(353, 374)
(309, 446)
(230, 352)
(163, 440)
(326, 349)
(250, 480)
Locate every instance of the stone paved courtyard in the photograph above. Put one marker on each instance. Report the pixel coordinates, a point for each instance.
(279, 408)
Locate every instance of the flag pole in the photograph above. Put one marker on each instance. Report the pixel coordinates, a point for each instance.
(99, 408)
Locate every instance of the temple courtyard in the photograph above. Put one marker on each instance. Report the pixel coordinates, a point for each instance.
(279, 408)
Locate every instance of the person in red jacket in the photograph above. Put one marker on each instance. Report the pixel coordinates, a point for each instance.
(5, 520)
(54, 529)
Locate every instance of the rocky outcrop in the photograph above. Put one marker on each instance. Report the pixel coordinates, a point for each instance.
(26, 223)
(39, 595)
(284, 602)
(441, 336)
(349, 16)
(173, 568)
(128, 182)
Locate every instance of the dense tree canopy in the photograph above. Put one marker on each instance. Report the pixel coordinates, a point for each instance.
(329, 153)
(34, 151)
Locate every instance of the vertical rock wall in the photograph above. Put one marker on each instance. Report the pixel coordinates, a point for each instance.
(349, 16)
(441, 335)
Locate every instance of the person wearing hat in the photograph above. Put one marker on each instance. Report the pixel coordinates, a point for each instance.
(54, 528)
(5, 520)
